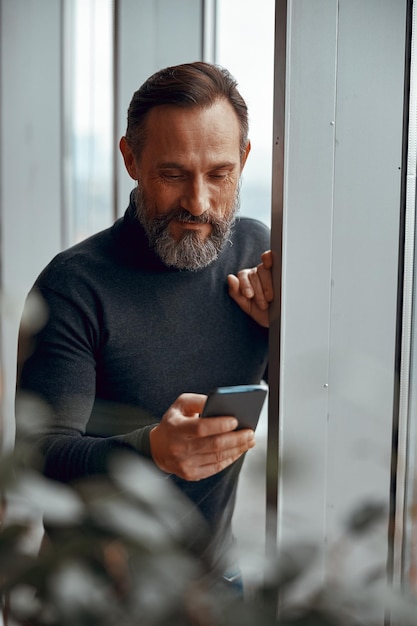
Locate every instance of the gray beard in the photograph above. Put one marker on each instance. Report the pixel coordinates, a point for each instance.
(190, 252)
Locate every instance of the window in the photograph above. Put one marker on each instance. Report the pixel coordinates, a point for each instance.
(88, 92)
(241, 27)
(245, 46)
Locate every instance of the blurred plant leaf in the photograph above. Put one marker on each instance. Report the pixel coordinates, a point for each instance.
(290, 564)
(151, 488)
(365, 517)
(7, 470)
(57, 502)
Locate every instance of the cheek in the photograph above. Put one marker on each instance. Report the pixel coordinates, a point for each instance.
(161, 198)
(225, 200)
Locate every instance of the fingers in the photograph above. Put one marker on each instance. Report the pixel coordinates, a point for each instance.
(260, 278)
(252, 289)
(239, 441)
(256, 282)
(215, 462)
(189, 404)
(267, 259)
(214, 456)
(183, 443)
(237, 293)
(255, 285)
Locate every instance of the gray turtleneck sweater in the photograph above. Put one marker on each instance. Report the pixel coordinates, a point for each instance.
(125, 336)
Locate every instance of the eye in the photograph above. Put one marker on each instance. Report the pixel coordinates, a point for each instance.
(221, 175)
(172, 176)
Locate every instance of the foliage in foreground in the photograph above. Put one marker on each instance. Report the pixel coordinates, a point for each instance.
(123, 552)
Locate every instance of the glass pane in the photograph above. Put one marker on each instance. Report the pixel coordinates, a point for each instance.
(89, 115)
(245, 46)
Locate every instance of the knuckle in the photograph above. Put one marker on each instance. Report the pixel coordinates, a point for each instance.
(185, 470)
(262, 273)
(200, 428)
(219, 467)
(218, 457)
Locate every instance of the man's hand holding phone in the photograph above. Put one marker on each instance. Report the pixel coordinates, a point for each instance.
(193, 448)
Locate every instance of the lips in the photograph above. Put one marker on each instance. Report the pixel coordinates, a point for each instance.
(183, 217)
(178, 227)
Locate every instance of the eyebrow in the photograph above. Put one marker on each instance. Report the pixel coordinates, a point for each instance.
(180, 166)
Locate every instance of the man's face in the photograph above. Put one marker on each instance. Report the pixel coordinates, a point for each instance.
(188, 177)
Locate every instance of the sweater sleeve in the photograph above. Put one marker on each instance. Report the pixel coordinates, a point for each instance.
(57, 385)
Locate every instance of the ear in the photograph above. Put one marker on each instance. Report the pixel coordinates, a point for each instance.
(245, 155)
(129, 159)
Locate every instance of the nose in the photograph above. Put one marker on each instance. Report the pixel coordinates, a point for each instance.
(195, 198)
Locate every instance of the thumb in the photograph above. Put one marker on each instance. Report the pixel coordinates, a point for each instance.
(190, 404)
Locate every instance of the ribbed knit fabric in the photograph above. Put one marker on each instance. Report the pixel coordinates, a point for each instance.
(125, 337)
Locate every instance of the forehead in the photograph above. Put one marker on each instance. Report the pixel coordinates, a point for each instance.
(173, 130)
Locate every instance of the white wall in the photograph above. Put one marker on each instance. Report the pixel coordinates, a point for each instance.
(30, 163)
(344, 106)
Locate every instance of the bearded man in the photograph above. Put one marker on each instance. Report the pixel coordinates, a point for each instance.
(148, 316)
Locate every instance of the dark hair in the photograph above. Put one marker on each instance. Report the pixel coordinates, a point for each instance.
(195, 84)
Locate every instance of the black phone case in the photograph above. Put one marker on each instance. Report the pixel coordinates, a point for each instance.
(245, 403)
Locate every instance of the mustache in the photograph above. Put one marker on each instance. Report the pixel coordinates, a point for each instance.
(155, 225)
(181, 215)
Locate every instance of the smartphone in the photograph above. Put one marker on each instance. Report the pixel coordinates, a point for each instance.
(242, 401)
